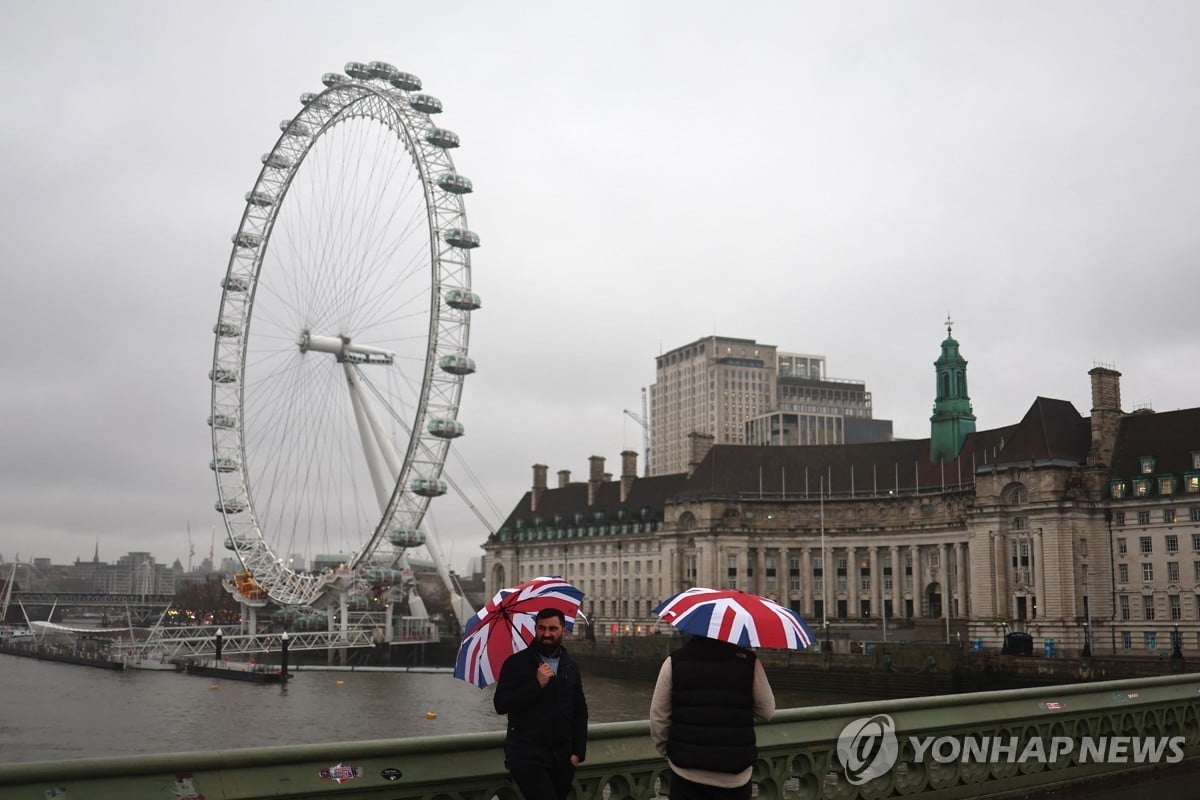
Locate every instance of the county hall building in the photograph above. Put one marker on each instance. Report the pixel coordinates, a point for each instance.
(1068, 527)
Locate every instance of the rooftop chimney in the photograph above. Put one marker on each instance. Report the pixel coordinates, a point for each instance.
(539, 485)
(595, 477)
(564, 477)
(1106, 414)
(698, 446)
(628, 473)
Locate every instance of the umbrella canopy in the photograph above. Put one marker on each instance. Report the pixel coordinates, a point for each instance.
(736, 617)
(506, 625)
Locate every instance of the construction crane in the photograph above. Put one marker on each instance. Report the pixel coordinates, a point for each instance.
(643, 419)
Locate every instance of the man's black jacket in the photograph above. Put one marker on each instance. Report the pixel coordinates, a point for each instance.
(544, 724)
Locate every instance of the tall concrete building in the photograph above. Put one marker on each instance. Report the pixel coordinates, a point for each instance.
(723, 390)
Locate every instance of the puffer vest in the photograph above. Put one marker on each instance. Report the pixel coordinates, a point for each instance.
(712, 707)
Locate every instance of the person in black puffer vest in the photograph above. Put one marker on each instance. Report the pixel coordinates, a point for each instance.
(708, 696)
(542, 692)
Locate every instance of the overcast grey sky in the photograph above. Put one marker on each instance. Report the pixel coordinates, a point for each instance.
(828, 178)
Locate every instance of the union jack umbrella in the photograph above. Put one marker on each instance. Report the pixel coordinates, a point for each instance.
(740, 618)
(506, 625)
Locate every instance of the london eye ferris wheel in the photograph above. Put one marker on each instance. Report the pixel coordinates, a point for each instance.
(341, 345)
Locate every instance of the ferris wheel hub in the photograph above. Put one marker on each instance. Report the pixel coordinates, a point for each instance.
(343, 349)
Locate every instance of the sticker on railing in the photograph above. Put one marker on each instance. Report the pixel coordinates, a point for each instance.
(391, 774)
(340, 773)
(1054, 705)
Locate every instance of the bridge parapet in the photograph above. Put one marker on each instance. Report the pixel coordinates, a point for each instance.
(1144, 722)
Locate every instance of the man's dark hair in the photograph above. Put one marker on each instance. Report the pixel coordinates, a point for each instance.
(546, 613)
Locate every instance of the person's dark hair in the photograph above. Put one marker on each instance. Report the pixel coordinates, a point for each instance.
(546, 613)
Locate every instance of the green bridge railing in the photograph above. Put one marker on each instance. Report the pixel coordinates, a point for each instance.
(1009, 740)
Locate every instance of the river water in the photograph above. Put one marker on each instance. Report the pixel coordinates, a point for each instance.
(51, 711)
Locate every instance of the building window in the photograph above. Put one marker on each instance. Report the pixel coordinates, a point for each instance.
(1145, 545)
(841, 573)
(1151, 640)
(1118, 489)
(1123, 546)
(1166, 485)
(1196, 517)
(1141, 487)
(1173, 571)
(1147, 607)
(1196, 459)
(1169, 516)
(1083, 548)
(1123, 572)
(1196, 542)
(1196, 571)
(1126, 640)
(1020, 523)
(1146, 465)
(1176, 609)
(1172, 543)
(731, 572)
(1191, 483)
(1120, 519)
(794, 574)
(1147, 571)
(1143, 518)
(1123, 602)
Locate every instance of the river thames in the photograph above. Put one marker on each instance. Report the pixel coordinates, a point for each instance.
(52, 711)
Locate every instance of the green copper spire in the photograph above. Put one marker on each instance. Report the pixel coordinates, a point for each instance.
(952, 419)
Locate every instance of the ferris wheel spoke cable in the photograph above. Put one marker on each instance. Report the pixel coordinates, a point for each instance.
(448, 478)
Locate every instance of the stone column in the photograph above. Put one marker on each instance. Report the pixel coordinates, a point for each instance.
(760, 572)
(1000, 559)
(876, 584)
(946, 594)
(897, 582)
(806, 581)
(851, 583)
(1039, 572)
(783, 577)
(960, 574)
(917, 587)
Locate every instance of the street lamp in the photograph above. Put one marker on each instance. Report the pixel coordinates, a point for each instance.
(828, 644)
(1176, 643)
(1004, 638)
(1087, 641)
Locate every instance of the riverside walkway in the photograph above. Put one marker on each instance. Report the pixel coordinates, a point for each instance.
(1129, 739)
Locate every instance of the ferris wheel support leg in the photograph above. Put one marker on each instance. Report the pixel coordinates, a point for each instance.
(388, 634)
(362, 416)
(250, 620)
(344, 621)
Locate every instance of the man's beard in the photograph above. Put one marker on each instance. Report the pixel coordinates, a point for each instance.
(547, 648)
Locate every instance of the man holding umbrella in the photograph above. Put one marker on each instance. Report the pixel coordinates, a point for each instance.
(711, 691)
(708, 696)
(541, 691)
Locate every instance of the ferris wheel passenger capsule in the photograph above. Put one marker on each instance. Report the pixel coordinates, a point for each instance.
(260, 199)
(428, 487)
(227, 330)
(406, 537)
(358, 70)
(235, 283)
(405, 81)
(314, 100)
(454, 183)
(457, 364)
(332, 79)
(222, 375)
(440, 137)
(461, 238)
(426, 104)
(223, 465)
(463, 300)
(294, 128)
(380, 69)
(446, 428)
(276, 160)
(247, 239)
(223, 421)
(230, 506)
